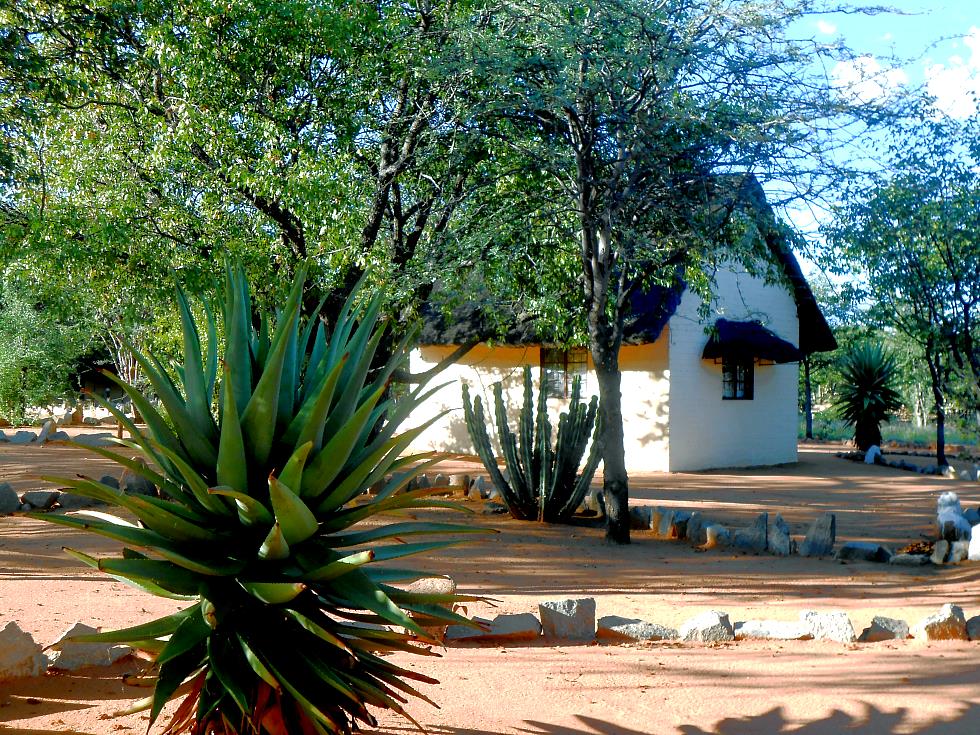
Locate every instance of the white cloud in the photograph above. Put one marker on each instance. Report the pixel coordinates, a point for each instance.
(956, 84)
(865, 80)
(828, 29)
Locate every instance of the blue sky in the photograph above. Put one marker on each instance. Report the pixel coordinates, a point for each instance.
(939, 43)
(935, 45)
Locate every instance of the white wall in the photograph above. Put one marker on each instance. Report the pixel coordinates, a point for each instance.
(706, 431)
(645, 390)
(479, 368)
(646, 410)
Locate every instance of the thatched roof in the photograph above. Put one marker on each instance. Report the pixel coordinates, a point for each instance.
(482, 318)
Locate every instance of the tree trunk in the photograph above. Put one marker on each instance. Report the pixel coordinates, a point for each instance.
(808, 397)
(941, 436)
(615, 481)
(936, 372)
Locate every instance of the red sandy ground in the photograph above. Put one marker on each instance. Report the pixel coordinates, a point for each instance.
(800, 687)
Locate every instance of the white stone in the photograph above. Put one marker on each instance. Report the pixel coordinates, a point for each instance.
(820, 538)
(973, 551)
(755, 538)
(950, 521)
(716, 536)
(46, 430)
(830, 626)
(480, 488)
(779, 542)
(433, 586)
(613, 626)
(863, 551)
(95, 440)
(466, 632)
(909, 560)
(884, 629)
(518, 626)
(9, 499)
(640, 517)
(70, 656)
(460, 484)
(940, 552)
(711, 625)
(515, 626)
(958, 551)
(20, 655)
(947, 624)
(779, 630)
(655, 515)
(665, 528)
(42, 499)
(23, 437)
(572, 620)
(695, 528)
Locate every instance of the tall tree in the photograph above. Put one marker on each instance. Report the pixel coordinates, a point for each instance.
(912, 233)
(156, 136)
(653, 120)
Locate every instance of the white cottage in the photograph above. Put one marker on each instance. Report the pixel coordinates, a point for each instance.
(697, 394)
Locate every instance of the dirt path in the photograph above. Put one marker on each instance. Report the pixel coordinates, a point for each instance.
(799, 687)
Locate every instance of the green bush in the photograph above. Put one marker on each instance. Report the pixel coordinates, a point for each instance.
(38, 354)
(543, 483)
(292, 616)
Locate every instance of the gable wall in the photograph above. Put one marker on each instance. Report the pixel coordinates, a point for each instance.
(707, 431)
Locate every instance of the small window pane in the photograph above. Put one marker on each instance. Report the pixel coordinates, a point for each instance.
(737, 378)
(559, 368)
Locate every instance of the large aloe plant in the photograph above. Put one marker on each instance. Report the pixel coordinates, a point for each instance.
(291, 616)
(867, 394)
(544, 482)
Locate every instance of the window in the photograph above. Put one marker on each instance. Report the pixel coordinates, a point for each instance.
(737, 376)
(559, 368)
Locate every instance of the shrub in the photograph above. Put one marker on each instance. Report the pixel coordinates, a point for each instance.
(867, 395)
(542, 482)
(257, 525)
(38, 353)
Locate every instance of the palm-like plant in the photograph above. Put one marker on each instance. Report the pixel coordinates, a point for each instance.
(867, 396)
(289, 627)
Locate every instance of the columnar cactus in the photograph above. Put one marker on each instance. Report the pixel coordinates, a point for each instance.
(541, 482)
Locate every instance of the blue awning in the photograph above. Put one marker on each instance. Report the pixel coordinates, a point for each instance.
(748, 340)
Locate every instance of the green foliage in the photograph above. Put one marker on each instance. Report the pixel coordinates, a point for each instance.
(257, 523)
(867, 396)
(146, 137)
(38, 353)
(911, 234)
(543, 483)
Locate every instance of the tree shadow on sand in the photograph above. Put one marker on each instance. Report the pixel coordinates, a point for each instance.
(56, 693)
(872, 721)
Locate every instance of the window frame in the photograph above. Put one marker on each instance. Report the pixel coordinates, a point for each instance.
(737, 373)
(559, 367)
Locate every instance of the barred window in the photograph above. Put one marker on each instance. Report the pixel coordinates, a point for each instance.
(737, 376)
(559, 368)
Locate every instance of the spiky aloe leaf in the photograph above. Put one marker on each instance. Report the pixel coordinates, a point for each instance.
(293, 516)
